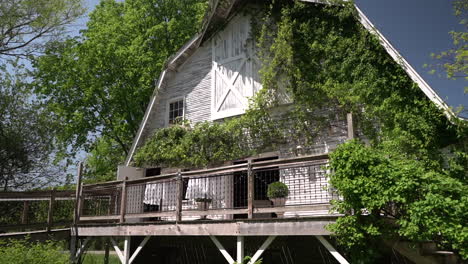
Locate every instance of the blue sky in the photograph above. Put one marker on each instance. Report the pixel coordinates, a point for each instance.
(416, 28)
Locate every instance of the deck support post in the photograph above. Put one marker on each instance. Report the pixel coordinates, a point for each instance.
(240, 249)
(117, 250)
(223, 251)
(139, 248)
(262, 249)
(124, 256)
(332, 250)
(106, 251)
(127, 250)
(81, 249)
(250, 189)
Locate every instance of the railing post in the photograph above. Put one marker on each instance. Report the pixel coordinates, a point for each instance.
(123, 200)
(250, 189)
(76, 213)
(180, 190)
(50, 213)
(78, 193)
(349, 120)
(24, 215)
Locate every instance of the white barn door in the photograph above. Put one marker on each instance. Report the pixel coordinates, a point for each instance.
(234, 69)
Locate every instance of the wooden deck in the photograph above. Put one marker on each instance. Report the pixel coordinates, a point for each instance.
(304, 226)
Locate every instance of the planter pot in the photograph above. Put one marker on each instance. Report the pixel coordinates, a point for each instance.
(279, 202)
(203, 206)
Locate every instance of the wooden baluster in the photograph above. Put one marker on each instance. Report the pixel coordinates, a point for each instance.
(250, 189)
(123, 200)
(50, 213)
(180, 192)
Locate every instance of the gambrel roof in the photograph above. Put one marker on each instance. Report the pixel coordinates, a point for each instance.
(218, 14)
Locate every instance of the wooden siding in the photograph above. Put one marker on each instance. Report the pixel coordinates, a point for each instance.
(193, 82)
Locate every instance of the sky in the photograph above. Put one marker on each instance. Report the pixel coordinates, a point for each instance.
(416, 28)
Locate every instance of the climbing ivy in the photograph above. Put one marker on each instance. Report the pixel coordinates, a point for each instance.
(407, 178)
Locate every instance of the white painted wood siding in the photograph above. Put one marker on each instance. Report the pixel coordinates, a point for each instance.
(192, 81)
(234, 69)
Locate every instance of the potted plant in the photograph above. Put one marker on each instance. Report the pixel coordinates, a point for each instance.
(277, 193)
(203, 204)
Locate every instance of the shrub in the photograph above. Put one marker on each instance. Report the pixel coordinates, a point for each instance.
(24, 252)
(277, 190)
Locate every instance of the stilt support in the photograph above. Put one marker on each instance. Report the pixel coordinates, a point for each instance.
(124, 256)
(262, 249)
(240, 249)
(82, 248)
(221, 249)
(332, 250)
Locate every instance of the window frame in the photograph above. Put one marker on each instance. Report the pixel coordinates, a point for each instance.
(168, 104)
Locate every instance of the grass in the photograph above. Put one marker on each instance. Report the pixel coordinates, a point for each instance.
(99, 259)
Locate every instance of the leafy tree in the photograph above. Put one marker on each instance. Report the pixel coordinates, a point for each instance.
(98, 85)
(26, 136)
(26, 24)
(102, 160)
(454, 60)
(392, 194)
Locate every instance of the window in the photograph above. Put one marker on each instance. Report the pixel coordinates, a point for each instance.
(176, 111)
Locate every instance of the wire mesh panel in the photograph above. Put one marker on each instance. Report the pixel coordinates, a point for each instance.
(307, 184)
(100, 201)
(209, 192)
(154, 196)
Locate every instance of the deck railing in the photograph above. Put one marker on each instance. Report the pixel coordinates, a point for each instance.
(36, 210)
(229, 192)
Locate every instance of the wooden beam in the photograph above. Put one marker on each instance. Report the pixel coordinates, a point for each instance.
(260, 227)
(117, 250)
(240, 249)
(139, 248)
(106, 251)
(101, 217)
(332, 250)
(292, 208)
(262, 249)
(215, 212)
(127, 250)
(221, 249)
(82, 248)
